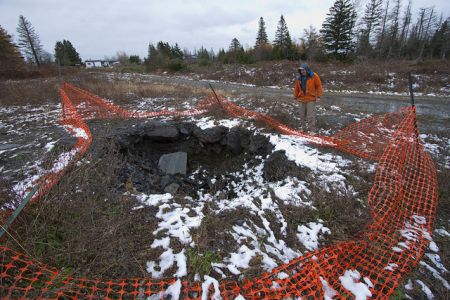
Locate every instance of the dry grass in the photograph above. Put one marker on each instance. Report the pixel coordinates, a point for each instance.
(123, 90)
(84, 225)
(29, 92)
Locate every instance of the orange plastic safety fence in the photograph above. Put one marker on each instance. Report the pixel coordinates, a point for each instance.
(402, 203)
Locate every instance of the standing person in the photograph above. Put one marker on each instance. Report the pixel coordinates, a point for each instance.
(308, 90)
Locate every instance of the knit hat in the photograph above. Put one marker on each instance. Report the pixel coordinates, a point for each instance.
(304, 66)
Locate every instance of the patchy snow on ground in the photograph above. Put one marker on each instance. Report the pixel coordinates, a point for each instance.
(309, 234)
(29, 134)
(425, 289)
(32, 131)
(251, 192)
(351, 280)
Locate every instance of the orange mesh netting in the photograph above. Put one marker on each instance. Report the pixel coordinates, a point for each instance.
(402, 202)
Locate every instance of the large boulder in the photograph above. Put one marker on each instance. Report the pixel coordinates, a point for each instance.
(173, 163)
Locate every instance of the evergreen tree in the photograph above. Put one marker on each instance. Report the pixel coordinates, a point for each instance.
(263, 49)
(235, 50)
(261, 38)
(10, 59)
(176, 52)
(440, 43)
(282, 44)
(235, 46)
(29, 41)
(337, 30)
(66, 54)
(202, 53)
(221, 56)
(134, 59)
(166, 56)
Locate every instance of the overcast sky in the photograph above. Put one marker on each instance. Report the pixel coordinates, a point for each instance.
(99, 28)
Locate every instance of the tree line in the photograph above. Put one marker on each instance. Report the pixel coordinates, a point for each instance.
(382, 29)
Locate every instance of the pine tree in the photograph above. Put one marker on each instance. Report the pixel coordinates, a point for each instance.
(235, 50)
(134, 59)
(282, 44)
(235, 46)
(261, 38)
(166, 56)
(263, 49)
(66, 54)
(337, 30)
(176, 52)
(440, 43)
(10, 59)
(29, 41)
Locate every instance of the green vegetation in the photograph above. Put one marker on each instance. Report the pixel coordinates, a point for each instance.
(200, 263)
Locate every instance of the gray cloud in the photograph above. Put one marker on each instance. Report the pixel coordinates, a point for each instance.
(103, 27)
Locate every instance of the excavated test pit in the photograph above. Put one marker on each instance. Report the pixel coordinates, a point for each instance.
(180, 158)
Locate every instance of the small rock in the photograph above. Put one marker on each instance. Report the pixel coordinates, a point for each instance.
(240, 222)
(172, 188)
(165, 180)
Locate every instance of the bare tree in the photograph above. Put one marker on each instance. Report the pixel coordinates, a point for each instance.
(381, 37)
(29, 41)
(394, 27)
(406, 22)
(428, 21)
(370, 24)
(122, 57)
(310, 41)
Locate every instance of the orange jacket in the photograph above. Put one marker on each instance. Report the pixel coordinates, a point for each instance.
(313, 89)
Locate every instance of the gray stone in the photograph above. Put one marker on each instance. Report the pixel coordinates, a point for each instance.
(172, 188)
(234, 141)
(186, 128)
(162, 133)
(165, 180)
(210, 135)
(240, 222)
(173, 163)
